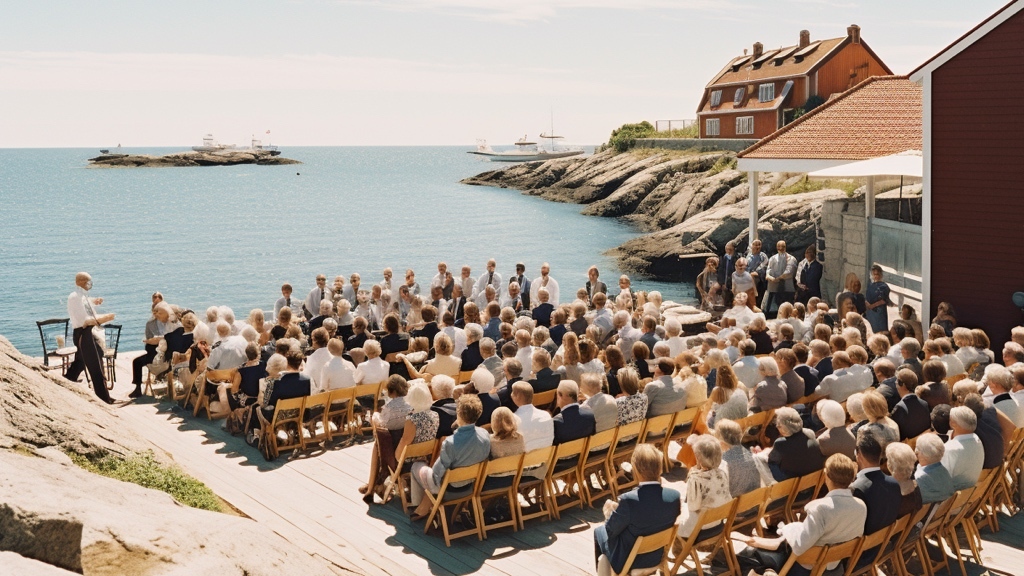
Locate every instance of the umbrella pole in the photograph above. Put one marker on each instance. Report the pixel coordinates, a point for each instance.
(899, 205)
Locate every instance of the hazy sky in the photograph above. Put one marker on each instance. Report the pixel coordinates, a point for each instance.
(369, 72)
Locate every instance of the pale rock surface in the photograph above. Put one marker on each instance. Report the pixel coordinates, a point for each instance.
(12, 564)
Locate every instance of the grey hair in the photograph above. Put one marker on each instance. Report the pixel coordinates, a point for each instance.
(708, 452)
(931, 447)
(831, 413)
(201, 333)
(223, 328)
(330, 324)
(1000, 376)
(276, 364)
(901, 460)
(717, 358)
(482, 380)
(661, 349)
(474, 332)
(250, 334)
(787, 419)
(444, 386)
(673, 327)
(569, 388)
(964, 418)
(227, 314)
(729, 431)
(326, 307)
(768, 366)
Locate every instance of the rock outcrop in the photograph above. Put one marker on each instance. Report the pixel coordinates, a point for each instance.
(181, 159)
(689, 204)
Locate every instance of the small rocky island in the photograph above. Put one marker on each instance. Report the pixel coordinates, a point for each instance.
(191, 158)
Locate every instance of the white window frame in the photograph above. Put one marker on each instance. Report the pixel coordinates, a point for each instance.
(744, 125)
(716, 97)
(712, 127)
(766, 92)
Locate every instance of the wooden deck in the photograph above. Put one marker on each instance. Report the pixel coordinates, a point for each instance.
(312, 500)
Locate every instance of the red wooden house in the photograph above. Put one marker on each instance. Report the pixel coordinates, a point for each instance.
(973, 215)
(755, 94)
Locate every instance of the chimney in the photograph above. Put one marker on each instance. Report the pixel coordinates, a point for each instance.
(853, 32)
(805, 38)
(758, 50)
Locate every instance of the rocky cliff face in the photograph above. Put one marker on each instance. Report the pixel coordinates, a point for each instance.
(56, 518)
(689, 204)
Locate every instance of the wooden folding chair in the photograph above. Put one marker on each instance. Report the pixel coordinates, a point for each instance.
(651, 543)
(747, 518)
(655, 431)
(963, 505)
(805, 490)
(457, 499)
(544, 400)
(829, 553)
(976, 505)
(932, 524)
(595, 465)
(195, 390)
(712, 542)
(905, 543)
(315, 412)
(498, 480)
(938, 523)
(337, 417)
(538, 486)
(287, 414)
(622, 451)
(219, 377)
(775, 501)
(565, 467)
(399, 480)
(682, 426)
(464, 376)
(882, 542)
(760, 421)
(811, 557)
(364, 423)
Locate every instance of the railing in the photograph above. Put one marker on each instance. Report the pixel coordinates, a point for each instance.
(671, 125)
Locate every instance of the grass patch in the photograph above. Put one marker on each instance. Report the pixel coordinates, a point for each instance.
(146, 471)
(808, 185)
(724, 163)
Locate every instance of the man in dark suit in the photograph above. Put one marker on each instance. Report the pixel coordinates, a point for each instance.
(326, 311)
(594, 286)
(646, 510)
(885, 373)
(291, 384)
(573, 421)
(909, 348)
(911, 413)
(513, 373)
(808, 276)
(442, 388)
(879, 492)
(649, 336)
(430, 329)
(524, 284)
(457, 304)
(546, 378)
(543, 311)
(821, 356)
(809, 375)
(471, 356)
(727, 265)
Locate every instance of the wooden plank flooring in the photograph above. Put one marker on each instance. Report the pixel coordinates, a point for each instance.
(312, 500)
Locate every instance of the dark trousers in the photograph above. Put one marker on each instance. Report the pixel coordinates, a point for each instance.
(139, 363)
(776, 298)
(89, 357)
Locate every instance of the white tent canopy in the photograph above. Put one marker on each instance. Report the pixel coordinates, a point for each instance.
(907, 163)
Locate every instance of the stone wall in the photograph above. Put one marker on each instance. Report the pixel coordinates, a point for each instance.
(844, 229)
(703, 144)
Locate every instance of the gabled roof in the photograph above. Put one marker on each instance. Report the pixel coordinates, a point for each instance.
(963, 42)
(768, 69)
(878, 117)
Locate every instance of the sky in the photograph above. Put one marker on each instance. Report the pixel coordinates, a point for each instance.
(403, 72)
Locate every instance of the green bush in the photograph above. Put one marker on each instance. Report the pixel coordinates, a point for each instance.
(624, 137)
(144, 470)
(724, 163)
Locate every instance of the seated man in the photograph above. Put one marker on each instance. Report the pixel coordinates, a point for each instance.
(536, 426)
(879, 491)
(837, 517)
(664, 394)
(546, 378)
(911, 413)
(291, 384)
(932, 477)
(442, 389)
(964, 454)
(605, 410)
(843, 381)
(745, 367)
(471, 356)
(645, 510)
(573, 421)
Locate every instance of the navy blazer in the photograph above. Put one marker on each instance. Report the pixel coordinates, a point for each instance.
(810, 376)
(290, 385)
(574, 422)
(490, 403)
(547, 379)
(824, 368)
(524, 289)
(471, 357)
(912, 415)
(726, 266)
(646, 510)
(887, 388)
(445, 410)
(882, 495)
(542, 314)
(557, 332)
(428, 331)
(505, 394)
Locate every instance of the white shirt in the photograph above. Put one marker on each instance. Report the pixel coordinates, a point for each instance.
(283, 302)
(80, 308)
(228, 353)
(541, 282)
(479, 290)
(338, 373)
(747, 371)
(372, 371)
(314, 298)
(315, 363)
(676, 346)
(525, 357)
(964, 458)
(437, 281)
(843, 383)
(627, 337)
(954, 367)
(536, 426)
(836, 518)
(1011, 409)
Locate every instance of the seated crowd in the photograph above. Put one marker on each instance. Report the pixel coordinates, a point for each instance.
(897, 419)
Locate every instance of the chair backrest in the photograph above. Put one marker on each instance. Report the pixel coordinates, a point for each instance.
(370, 389)
(569, 449)
(650, 543)
(461, 474)
(418, 450)
(720, 513)
(112, 332)
(761, 419)
(226, 375)
(889, 533)
(318, 400)
(809, 558)
(938, 515)
(657, 426)
(840, 551)
(49, 330)
(804, 483)
(285, 404)
(544, 399)
(503, 466)
(603, 438)
(685, 418)
(464, 376)
(339, 395)
(538, 457)
(627, 430)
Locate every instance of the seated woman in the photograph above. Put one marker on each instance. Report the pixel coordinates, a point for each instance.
(795, 453)
(505, 437)
(641, 353)
(467, 446)
(835, 438)
(707, 285)
(852, 291)
(247, 390)
(707, 486)
(276, 364)
(258, 322)
(568, 363)
(589, 362)
(877, 410)
(728, 400)
(758, 332)
(855, 408)
(901, 459)
(738, 317)
(420, 426)
(615, 359)
(284, 321)
(632, 404)
(392, 343)
(444, 361)
(162, 322)
(739, 460)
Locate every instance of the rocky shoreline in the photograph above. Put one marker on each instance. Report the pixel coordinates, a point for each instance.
(688, 204)
(183, 159)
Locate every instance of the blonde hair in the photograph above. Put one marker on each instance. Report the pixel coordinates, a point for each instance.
(371, 348)
(504, 425)
(647, 462)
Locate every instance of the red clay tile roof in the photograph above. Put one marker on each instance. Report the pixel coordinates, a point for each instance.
(789, 68)
(879, 116)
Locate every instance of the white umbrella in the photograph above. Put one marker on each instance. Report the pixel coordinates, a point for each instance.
(907, 163)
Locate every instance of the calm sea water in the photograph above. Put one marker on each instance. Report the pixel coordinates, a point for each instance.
(233, 235)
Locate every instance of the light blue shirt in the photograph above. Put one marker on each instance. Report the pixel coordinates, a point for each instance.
(935, 483)
(468, 445)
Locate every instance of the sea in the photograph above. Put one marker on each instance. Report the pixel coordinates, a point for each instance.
(232, 235)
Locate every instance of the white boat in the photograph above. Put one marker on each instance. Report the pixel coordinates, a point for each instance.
(211, 145)
(258, 146)
(527, 151)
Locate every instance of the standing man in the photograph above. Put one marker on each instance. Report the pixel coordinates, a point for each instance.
(312, 303)
(594, 286)
(466, 282)
(439, 279)
(726, 266)
(808, 276)
(524, 284)
(457, 303)
(780, 272)
(83, 317)
(489, 278)
(545, 281)
(757, 263)
(285, 301)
